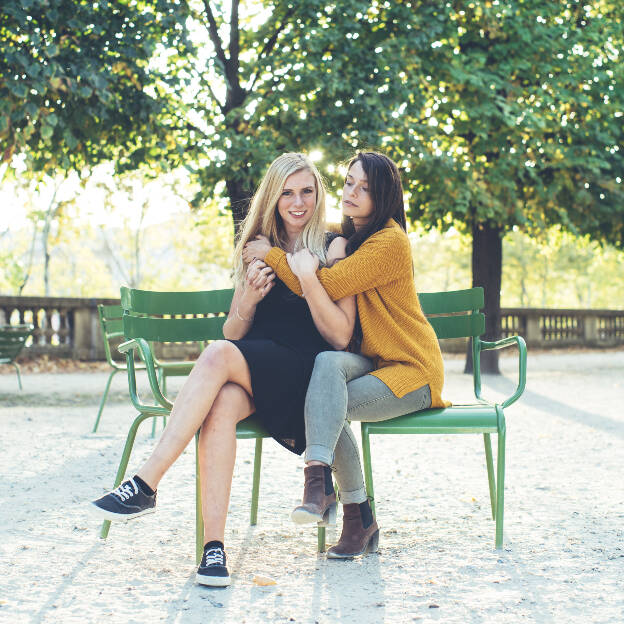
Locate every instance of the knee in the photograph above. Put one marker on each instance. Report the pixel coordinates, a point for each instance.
(328, 360)
(217, 354)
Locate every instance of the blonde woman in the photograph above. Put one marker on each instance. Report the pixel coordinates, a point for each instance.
(262, 367)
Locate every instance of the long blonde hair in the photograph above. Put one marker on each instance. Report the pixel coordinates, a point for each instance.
(263, 217)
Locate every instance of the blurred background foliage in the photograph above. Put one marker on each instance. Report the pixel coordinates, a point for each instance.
(122, 239)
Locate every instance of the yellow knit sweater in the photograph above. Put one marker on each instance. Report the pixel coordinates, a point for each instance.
(395, 333)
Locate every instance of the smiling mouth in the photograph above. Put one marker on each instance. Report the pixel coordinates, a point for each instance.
(298, 213)
(349, 203)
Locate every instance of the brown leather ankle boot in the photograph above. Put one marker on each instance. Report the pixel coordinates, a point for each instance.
(319, 498)
(360, 532)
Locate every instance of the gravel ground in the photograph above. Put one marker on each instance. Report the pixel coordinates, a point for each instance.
(563, 556)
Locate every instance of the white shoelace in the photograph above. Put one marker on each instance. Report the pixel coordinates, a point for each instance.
(124, 491)
(214, 556)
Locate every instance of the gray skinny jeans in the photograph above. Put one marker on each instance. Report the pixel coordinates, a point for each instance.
(340, 390)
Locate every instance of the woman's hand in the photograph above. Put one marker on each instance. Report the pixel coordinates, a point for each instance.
(258, 281)
(256, 249)
(303, 263)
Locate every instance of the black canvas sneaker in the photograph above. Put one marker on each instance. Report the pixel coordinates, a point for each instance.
(212, 569)
(125, 502)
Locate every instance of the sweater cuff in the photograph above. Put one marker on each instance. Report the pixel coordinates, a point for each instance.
(274, 256)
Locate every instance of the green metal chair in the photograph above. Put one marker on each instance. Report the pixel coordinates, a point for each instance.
(112, 328)
(455, 315)
(151, 317)
(12, 341)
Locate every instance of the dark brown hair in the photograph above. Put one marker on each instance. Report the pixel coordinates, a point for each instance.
(386, 192)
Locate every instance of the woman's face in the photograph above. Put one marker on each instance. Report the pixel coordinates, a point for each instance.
(297, 202)
(356, 200)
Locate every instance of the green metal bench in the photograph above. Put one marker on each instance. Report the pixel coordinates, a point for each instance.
(151, 317)
(12, 341)
(456, 315)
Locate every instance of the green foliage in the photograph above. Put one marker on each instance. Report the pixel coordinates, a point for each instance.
(77, 81)
(303, 77)
(522, 118)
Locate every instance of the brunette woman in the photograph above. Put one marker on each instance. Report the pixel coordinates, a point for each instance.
(396, 368)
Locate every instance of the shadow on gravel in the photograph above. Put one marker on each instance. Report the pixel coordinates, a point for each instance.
(67, 582)
(556, 408)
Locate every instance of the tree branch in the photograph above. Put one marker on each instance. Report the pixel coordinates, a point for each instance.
(213, 96)
(190, 126)
(234, 46)
(270, 44)
(213, 31)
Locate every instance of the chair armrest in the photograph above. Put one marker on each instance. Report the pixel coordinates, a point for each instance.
(145, 353)
(522, 357)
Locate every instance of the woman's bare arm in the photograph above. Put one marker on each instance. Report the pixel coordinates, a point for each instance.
(258, 282)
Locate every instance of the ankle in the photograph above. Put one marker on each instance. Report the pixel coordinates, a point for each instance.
(313, 462)
(148, 480)
(145, 487)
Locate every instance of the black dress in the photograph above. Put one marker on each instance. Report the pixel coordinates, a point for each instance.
(280, 349)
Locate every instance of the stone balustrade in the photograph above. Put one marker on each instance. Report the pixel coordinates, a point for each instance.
(64, 326)
(69, 327)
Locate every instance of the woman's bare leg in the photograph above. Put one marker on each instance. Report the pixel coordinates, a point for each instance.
(221, 362)
(217, 454)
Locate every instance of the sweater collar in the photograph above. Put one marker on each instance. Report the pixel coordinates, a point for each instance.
(391, 223)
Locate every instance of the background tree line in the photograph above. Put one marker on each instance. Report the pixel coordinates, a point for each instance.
(504, 115)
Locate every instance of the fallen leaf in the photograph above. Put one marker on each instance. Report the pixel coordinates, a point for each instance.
(263, 580)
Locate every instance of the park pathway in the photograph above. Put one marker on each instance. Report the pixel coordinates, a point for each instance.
(563, 556)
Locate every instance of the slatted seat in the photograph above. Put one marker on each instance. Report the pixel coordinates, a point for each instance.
(454, 315)
(150, 317)
(12, 341)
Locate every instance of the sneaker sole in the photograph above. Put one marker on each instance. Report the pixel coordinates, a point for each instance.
(213, 581)
(114, 517)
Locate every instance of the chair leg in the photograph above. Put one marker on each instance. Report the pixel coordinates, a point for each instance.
(161, 384)
(490, 469)
(199, 519)
(103, 400)
(500, 470)
(321, 539)
(164, 391)
(255, 489)
(123, 464)
(19, 378)
(368, 469)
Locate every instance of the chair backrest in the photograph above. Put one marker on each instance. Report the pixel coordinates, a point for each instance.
(455, 314)
(175, 316)
(12, 340)
(111, 326)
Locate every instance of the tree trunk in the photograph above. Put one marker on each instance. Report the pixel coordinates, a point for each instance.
(45, 238)
(487, 267)
(31, 255)
(239, 201)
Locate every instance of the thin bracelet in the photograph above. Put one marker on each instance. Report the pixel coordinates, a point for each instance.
(247, 320)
